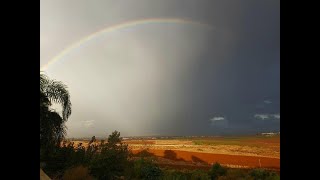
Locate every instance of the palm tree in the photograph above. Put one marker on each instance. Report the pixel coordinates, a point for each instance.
(56, 92)
(52, 127)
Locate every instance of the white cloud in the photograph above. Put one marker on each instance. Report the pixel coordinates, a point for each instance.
(217, 119)
(267, 116)
(262, 116)
(267, 102)
(88, 123)
(277, 116)
(219, 122)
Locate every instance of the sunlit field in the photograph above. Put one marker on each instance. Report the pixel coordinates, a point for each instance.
(201, 152)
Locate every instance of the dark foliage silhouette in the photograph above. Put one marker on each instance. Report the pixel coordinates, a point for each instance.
(216, 171)
(52, 124)
(112, 159)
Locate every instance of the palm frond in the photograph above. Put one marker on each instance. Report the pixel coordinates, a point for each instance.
(56, 92)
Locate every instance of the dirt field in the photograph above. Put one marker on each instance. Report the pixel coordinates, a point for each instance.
(185, 158)
(195, 153)
(244, 146)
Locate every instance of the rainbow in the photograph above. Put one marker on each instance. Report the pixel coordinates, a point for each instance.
(116, 27)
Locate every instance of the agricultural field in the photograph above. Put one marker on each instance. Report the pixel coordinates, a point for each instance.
(202, 152)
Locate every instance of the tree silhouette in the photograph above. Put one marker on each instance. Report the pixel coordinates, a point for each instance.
(52, 127)
(93, 139)
(55, 92)
(112, 159)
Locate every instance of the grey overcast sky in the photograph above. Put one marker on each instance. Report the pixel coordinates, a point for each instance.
(159, 78)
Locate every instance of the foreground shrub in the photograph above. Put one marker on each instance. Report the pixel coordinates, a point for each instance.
(238, 174)
(185, 175)
(176, 175)
(77, 173)
(200, 175)
(112, 160)
(59, 159)
(144, 168)
(216, 171)
(262, 174)
(151, 172)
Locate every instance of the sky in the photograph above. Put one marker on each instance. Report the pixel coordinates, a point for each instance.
(169, 67)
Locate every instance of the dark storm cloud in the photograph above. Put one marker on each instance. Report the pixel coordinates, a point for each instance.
(248, 75)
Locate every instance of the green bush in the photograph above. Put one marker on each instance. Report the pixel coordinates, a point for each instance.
(64, 157)
(144, 168)
(185, 175)
(238, 174)
(105, 161)
(176, 175)
(200, 175)
(59, 159)
(151, 172)
(216, 171)
(262, 174)
(112, 159)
